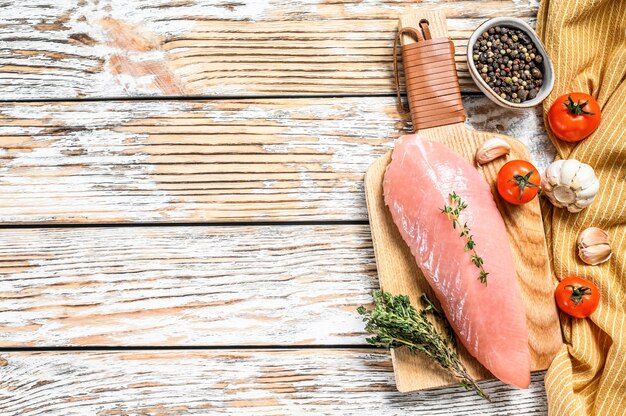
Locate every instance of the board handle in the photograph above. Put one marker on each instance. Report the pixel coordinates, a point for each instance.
(432, 83)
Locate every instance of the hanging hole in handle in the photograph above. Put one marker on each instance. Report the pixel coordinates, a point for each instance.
(425, 29)
(416, 34)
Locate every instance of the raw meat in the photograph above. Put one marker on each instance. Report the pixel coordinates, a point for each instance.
(489, 320)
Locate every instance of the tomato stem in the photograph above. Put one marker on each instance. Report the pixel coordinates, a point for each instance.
(523, 182)
(576, 108)
(578, 293)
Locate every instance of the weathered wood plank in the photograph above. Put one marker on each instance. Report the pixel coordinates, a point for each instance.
(289, 382)
(180, 161)
(184, 286)
(90, 48)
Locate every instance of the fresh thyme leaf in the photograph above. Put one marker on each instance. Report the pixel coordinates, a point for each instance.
(453, 211)
(395, 323)
(430, 307)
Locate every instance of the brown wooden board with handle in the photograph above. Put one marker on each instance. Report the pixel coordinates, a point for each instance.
(398, 271)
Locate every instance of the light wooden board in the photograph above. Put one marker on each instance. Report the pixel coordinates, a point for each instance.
(185, 286)
(74, 49)
(349, 382)
(398, 272)
(186, 161)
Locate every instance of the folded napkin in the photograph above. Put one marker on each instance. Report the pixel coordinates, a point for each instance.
(586, 40)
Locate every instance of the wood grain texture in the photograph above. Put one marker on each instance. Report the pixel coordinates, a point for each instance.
(185, 286)
(321, 382)
(399, 274)
(91, 48)
(189, 161)
(182, 161)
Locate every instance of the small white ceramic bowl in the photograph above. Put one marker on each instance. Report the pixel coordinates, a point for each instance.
(548, 69)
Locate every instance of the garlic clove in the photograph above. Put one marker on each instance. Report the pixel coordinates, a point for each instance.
(584, 202)
(590, 191)
(593, 246)
(568, 171)
(545, 186)
(553, 172)
(593, 236)
(595, 254)
(491, 150)
(583, 177)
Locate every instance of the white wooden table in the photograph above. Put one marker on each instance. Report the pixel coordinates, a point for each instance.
(181, 203)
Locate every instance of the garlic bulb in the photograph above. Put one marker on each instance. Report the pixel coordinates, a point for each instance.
(593, 246)
(491, 150)
(570, 184)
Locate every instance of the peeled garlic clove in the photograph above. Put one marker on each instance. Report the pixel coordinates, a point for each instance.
(593, 236)
(593, 246)
(491, 150)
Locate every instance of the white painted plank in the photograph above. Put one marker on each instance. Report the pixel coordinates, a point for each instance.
(89, 48)
(181, 161)
(184, 286)
(289, 382)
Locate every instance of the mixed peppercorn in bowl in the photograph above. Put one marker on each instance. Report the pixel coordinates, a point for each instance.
(509, 64)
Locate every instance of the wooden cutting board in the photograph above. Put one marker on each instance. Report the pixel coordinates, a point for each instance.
(398, 271)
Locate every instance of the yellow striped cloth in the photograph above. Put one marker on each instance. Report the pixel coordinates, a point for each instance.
(586, 40)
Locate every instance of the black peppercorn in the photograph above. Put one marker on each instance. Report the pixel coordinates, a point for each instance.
(522, 94)
(536, 73)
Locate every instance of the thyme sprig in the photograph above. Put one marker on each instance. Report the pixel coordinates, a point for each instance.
(395, 323)
(453, 211)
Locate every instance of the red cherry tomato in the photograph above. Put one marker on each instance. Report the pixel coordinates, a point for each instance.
(518, 182)
(577, 297)
(574, 116)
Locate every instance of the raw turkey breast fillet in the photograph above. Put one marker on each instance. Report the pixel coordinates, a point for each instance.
(490, 320)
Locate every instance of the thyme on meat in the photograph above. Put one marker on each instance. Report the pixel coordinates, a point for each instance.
(395, 323)
(453, 211)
